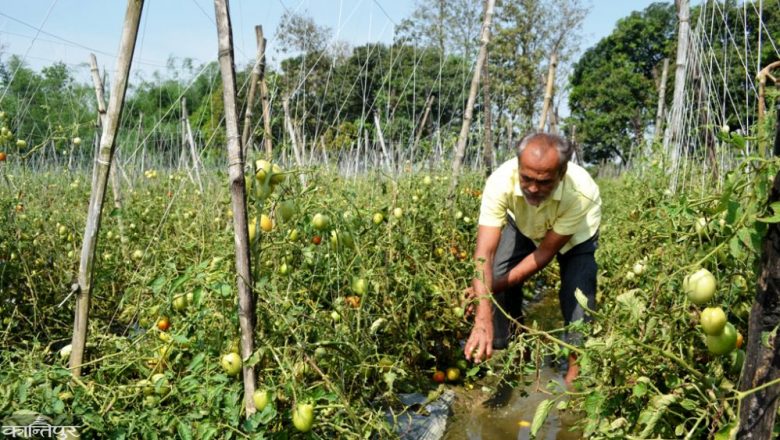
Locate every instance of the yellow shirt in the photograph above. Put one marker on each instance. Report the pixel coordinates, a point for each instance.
(573, 209)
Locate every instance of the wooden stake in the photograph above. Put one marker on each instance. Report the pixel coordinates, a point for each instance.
(97, 82)
(659, 114)
(100, 179)
(548, 90)
(293, 137)
(246, 299)
(191, 141)
(487, 140)
(460, 150)
(380, 135)
(246, 137)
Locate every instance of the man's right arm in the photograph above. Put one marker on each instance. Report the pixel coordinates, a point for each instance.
(480, 343)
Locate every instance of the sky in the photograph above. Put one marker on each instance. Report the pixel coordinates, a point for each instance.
(46, 31)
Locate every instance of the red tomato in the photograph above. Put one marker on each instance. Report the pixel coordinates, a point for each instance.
(2, 156)
(439, 376)
(163, 324)
(316, 239)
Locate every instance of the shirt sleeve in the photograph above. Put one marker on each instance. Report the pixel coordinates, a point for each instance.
(492, 212)
(574, 218)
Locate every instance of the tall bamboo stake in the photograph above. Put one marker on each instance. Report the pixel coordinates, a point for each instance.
(381, 136)
(264, 101)
(487, 146)
(418, 136)
(548, 90)
(672, 134)
(293, 138)
(102, 168)
(97, 82)
(246, 299)
(191, 141)
(246, 137)
(460, 150)
(659, 114)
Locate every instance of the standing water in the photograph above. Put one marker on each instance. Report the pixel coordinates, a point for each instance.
(473, 419)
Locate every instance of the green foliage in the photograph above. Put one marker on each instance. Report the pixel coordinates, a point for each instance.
(613, 97)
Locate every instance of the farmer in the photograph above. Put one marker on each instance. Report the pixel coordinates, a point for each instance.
(534, 207)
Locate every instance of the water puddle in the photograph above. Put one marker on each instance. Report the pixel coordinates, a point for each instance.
(473, 420)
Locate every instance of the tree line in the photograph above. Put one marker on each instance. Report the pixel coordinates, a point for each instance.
(334, 90)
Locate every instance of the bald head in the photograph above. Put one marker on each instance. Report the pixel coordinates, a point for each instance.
(542, 161)
(539, 143)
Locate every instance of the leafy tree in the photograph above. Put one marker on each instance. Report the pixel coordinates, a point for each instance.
(613, 89)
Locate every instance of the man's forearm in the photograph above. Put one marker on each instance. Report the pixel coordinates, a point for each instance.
(527, 267)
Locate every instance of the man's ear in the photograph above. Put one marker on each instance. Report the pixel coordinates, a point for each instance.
(563, 169)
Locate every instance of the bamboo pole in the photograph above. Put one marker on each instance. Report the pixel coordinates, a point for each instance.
(418, 136)
(246, 137)
(659, 114)
(380, 135)
(246, 300)
(266, 105)
(672, 133)
(191, 141)
(548, 90)
(102, 168)
(460, 150)
(293, 137)
(487, 146)
(97, 82)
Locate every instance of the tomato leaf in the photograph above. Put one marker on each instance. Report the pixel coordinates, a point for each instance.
(184, 430)
(653, 413)
(542, 410)
(196, 361)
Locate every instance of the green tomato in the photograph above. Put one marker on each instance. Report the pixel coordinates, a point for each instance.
(285, 210)
(723, 343)
(320, 222)
(713, 320)
(261, 398)
(180, 303)
(231, 363)
(700, 286)
(359, 286)
(303, 417)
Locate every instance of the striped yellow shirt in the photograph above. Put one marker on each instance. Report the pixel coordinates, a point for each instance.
(573, 209)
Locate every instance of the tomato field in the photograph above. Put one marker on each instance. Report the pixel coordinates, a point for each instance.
(290, 249)
(359, 284)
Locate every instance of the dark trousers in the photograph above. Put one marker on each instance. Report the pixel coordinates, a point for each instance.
(578, 270)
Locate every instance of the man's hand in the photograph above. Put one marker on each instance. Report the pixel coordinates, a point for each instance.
(479, 346)
(469, 301)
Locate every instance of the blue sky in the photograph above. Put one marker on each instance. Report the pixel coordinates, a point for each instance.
(71, 29)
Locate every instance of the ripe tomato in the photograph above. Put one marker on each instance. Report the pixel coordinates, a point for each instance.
(316, 239)
(2, 156)
(353, 301)
(439, 376)
(740, 340)
(163, 324)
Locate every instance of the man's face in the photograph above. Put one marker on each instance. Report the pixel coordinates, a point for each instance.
(539, 173)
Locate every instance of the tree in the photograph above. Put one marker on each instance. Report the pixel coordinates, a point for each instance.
(613, 87)
(298, 32)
